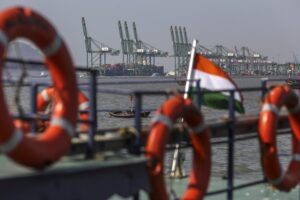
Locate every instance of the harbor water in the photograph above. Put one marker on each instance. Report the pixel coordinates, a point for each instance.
(246, 158)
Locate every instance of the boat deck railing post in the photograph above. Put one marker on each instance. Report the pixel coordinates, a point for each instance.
(230, 161)
(33, 102)
(92, 113)
(264, 90)
(137, 122)
(198, 94)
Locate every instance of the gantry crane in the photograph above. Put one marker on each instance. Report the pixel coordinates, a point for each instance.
(126, 44)
(145, 53)
(96, 51)
(181, 48)
(139, 54)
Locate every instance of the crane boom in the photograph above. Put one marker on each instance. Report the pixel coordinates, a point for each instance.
(129, 41)
(123, 45)
(172, 34)
(84, 27)
(120, 30)
(87, 39)
(126, 31)
(185, 36)
(138, 42)
(181, 35)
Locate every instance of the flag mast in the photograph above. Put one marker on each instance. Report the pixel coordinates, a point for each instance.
(190, 69)
(177, 170)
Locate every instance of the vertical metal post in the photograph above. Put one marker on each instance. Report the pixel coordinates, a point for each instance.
(92, 60)
(87, 59)
(138, 122)
(177, 169)
(92, 113)
(33, 100)
(198, 94)
(230, 162)
(264, 90)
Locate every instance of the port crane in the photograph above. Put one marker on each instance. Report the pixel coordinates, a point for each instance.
(127, 44)
(145, 53)
(96, 51)
(237, 61)
(137, 54)
(181, 48)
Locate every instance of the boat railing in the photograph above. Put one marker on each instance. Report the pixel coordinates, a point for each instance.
(229, 126)
(231, 139)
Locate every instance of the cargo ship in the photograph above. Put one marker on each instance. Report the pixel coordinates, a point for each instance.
(120, 69)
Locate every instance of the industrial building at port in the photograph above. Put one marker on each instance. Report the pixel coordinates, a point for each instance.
(138, 57)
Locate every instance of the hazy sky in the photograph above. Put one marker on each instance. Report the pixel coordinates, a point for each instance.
(270, 27)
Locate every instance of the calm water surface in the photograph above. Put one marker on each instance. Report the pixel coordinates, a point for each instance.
(247, 163)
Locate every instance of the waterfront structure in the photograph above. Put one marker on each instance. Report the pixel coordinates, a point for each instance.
(181, 48)
(243, 61)
(96, 51)
(139, 56)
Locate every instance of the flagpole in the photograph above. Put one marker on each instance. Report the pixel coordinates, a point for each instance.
(190, 69)
(177, 170)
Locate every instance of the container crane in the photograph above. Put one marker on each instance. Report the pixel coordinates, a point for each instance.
(181, 48)
(126, 43)
(145, 53)
(123, 41)
(96, 51)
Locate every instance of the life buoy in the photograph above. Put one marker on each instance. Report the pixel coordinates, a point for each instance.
(40, 150)
(47, 96)
(275, 99)
(175, 108)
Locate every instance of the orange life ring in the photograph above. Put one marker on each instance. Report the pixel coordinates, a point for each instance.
(275, 99)
(40, 150)
(47, 95)
(175, 108)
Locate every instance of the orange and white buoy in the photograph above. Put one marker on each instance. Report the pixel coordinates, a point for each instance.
(47, 97)
(279, 96)
(171, 110)
(40, 150)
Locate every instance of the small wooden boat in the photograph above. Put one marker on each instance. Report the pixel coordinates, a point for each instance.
(128, 114)
(293, 83)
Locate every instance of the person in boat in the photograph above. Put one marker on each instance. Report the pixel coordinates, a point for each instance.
(129, 113)
(46, 101)
(131, 98)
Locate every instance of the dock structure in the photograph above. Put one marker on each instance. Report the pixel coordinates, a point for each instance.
(243, 61)
(96, 51)
(138, 56)
(181, 48)
(240, 61)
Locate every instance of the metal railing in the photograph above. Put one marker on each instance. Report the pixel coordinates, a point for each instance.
(92, 88)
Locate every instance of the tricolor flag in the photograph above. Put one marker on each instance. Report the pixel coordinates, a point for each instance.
(212, 77)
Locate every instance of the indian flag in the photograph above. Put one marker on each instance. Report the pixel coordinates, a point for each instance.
(212, 77)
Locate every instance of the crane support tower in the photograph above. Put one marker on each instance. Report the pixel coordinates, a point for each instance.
(127, 44)
(181, 48)
(139, 56)
(96, 52)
